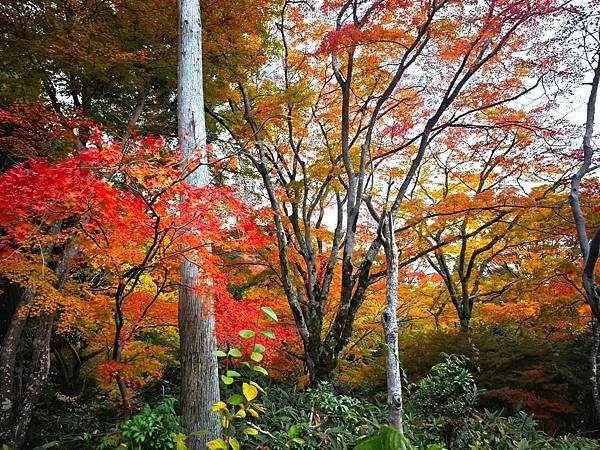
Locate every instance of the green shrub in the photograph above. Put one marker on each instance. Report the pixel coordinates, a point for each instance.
(154, 428)
(389, 438)
(442, 402)
(316, 418)
(492, 431)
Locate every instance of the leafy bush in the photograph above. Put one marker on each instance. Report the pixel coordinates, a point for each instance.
(443, 401)
(492, 431)
(389, 438)
(441, 409)
(316, 418)
(154, 428)
(514, 369)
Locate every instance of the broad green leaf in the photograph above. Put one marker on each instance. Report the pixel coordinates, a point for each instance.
(255, 356)
(269, 313)
(235, 399)
(260, 369)
(251, 431)
(227, 380)
(259, 348)
(235, 445)
(292, 431)
(247, 333)
(233, 373)
(387, 438)
(220, 354)
(234, 352)
(268, 333)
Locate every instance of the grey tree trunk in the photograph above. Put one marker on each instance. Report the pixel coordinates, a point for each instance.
(17, 408)
(199, 370)
(594, 366)
(590, 248)
(390, 328)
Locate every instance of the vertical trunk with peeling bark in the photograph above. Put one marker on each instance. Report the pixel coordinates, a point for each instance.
(199, 370)
(390, 329)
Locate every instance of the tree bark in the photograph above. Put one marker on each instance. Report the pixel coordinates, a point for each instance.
(590, 249)
(465, 325)
(594, 366)
(8, 355)
(390, 329)
(17, 410)
(40, 366)
(199, 369)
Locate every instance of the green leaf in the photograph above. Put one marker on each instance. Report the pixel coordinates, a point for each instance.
(235, 445)
(247, 333)
(292, 431)
(268, 333)
(387, 438)
(255, 356)
(258, 348)
(251, 431)
(260, 369)
(227, 380)
(233, 373)
(269, 313)
(220, 354)
(234, 352)
(235, 399)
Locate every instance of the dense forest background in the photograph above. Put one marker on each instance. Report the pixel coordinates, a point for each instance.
(390, 216)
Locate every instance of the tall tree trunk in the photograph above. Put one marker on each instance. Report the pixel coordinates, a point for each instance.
(590, 249)
(16, 410)
(390, 328)
(40, 366)
(594, 366)
(8, 356)
(199, 369)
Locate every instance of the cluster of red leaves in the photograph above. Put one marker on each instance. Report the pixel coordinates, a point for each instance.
(235, 315)
(134, 217)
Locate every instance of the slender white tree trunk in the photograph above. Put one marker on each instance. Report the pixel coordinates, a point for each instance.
(590, 249)
(199, 370)
(390, 327)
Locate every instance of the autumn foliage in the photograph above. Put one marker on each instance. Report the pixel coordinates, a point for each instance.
(132, 218)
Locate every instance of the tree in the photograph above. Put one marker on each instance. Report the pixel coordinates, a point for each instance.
(590, 248)
(112, 208)
(39, 246)
(349, 104)
(199, 368)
